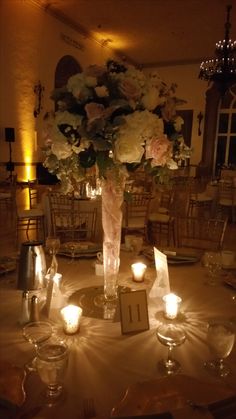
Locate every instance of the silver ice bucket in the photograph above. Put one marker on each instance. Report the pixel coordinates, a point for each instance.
(32, 266)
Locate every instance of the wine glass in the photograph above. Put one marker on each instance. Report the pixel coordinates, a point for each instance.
(72, 247)
(136, 245)
(213, 263)
(36, 333)
(220, 338)
(53, 245)
(51, 364)
(171, 336)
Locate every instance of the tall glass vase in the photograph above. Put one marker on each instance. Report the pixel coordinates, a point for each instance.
(112, 201)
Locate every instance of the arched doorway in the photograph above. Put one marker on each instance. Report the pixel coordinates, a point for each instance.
(66, 67)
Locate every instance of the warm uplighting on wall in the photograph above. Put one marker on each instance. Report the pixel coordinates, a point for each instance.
(108, 40)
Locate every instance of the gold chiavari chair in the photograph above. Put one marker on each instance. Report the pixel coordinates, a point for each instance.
(200, 233)
(8, 195)
(200, 202)
(226, 199)
(161, 221)
(59, 202)
(75, 225)
(135, 213)
(27, 220)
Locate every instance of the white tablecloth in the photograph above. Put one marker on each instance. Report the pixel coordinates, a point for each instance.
(103, 362)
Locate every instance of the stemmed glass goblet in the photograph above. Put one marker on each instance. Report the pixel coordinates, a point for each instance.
(53, 246)
(36, 333)
(213, 264)
(51, 364)
(220, 338)
(171, 336)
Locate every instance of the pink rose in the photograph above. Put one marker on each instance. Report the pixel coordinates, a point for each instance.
(159, 149)
(94, 111)
(129, 89)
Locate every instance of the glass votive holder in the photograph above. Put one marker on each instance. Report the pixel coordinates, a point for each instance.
(138, 270)
(71, 315)
(172, 303)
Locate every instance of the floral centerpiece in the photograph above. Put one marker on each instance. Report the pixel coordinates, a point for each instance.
(117, 118)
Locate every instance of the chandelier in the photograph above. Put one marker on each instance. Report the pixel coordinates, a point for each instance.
(222, 68)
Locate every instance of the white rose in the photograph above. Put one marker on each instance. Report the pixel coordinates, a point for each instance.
(172, 165)
(101, 91)
(61, 149)
(90, 81)
(127, 151)
(150, 99)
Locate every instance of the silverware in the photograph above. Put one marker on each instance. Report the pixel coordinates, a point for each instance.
(89, 408)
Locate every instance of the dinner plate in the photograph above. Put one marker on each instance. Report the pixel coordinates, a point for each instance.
(181, 259)
(79, 249)
(168, 394)
(173, 259)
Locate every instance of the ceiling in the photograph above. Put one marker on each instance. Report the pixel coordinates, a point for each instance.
(149, 33)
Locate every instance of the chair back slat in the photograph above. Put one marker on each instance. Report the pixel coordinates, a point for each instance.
(200, 233)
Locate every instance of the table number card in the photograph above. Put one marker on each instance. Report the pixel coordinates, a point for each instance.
(161, 284)
(133, 311)
(54, 298)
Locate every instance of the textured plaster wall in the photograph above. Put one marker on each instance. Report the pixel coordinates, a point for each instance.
(193, 90)
(31, 46)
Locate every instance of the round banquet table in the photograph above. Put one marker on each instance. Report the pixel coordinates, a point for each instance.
(103, 362)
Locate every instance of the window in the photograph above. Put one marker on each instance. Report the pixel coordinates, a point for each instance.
(225, 143)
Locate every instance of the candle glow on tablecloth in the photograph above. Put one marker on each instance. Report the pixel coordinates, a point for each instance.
(172, 303)
(71, 315)
(138, 270)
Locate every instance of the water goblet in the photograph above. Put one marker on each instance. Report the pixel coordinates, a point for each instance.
(213, 263)
(72, 247)
(53, 245)
(136, 245)
(220, 339)
(36, 333)
(51, 364)
(171, 336)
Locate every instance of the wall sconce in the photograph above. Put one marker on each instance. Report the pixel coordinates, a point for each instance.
(200, 118)
(38, 91)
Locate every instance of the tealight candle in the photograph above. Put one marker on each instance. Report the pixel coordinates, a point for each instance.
(138, 270)
(71, 318)
(172, 303)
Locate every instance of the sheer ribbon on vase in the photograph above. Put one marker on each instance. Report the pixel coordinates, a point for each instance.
(112, 200)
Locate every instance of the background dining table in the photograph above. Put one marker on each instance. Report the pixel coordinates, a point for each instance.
(103, 362)
(86, 204)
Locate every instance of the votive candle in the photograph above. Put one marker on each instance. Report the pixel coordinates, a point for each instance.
(71, 315)
(138, 270)
(172, 303)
